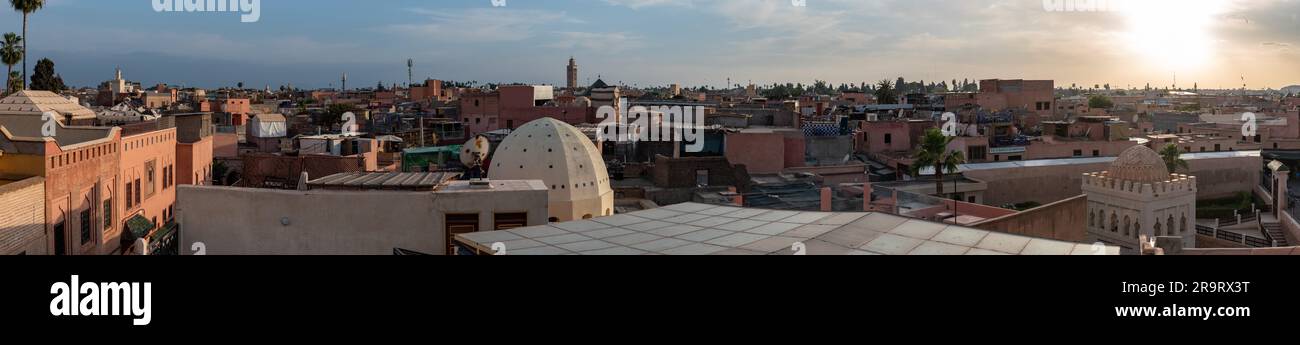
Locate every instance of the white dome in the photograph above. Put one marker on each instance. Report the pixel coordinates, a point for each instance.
(562, 157)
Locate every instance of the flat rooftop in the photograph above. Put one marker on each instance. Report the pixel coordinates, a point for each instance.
(1090, 160)
(497, 186)
(702, 229)
(402, 181)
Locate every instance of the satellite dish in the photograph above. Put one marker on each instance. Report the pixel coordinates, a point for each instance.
(475, 151)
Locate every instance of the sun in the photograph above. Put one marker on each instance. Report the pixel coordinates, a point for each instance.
(1172, 33)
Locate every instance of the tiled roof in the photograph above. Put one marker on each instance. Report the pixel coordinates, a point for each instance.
(700, 229)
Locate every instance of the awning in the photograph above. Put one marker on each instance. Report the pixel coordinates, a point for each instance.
(139, 226)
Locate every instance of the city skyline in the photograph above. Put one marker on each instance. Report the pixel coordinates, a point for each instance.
(1207, 43)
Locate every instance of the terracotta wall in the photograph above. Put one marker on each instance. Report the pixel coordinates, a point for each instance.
(225, 145)
(758, 151)
(1064, 220)
(194, 162)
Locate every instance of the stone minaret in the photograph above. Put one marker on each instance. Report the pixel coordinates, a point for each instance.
(573, 74)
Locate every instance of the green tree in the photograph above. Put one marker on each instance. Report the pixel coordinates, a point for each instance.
(934, 153)
(27, 7)
(11, 53)
(1100, 102)
(885, 93)
(1173, 157)
(45, 79)
(334, 114)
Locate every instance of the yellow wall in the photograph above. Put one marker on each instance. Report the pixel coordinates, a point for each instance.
(20, 164)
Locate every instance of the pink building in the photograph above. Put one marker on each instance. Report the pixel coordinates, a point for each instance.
(514, 105)
(1032, 95)
(757, 148)
(431, 90)
(885, 136)
(148, 176)
(480, 111)
(239, 108)
(194, 148)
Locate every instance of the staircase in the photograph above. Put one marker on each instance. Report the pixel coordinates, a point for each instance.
(1274, 231)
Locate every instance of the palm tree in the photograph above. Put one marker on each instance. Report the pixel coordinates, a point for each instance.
(11, 52)
(27, 7)
(934, 153)
(1173, 157)
(13, 82)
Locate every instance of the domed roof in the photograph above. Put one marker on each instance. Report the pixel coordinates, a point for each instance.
(30, 102)
(556, 153)
(1139, 164)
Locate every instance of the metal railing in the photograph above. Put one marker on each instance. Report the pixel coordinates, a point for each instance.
(1243, 239)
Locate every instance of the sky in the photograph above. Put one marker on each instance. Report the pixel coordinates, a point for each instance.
(311, 43)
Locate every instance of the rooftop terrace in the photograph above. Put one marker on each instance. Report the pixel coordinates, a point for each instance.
(700, 229)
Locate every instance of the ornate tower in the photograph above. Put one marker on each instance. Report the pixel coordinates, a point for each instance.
(1138, 196)
(573, 74)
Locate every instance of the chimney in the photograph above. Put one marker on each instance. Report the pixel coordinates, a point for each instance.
(866, 197)
(826, 199)
(736, 198)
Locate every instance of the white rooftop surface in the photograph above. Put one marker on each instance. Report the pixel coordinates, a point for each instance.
(702, 229)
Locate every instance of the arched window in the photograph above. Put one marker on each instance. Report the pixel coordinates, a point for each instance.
(1114, 223)
(588, 216)
(1092, 219)
(1137, 230)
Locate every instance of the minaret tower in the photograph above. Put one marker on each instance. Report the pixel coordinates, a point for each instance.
(573, 74)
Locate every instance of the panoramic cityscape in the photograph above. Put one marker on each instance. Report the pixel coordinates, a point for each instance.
(650, 127)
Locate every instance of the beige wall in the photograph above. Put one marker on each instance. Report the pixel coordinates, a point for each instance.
(1216, 178)
(243, 221)
(22, 217)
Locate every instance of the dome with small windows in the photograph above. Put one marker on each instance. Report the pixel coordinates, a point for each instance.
(1139, 164)
(564, 158)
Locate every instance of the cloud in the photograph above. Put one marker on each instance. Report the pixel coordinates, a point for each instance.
(479, 25)
(638, 4)
(596, 42)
